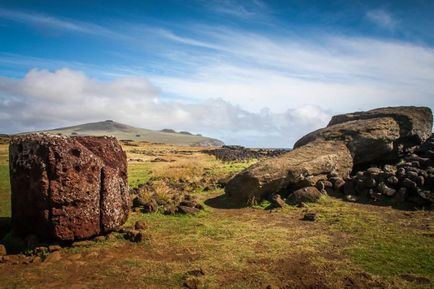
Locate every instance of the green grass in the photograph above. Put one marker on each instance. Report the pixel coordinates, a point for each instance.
(138, 173)
(378, 245)
(5, 198)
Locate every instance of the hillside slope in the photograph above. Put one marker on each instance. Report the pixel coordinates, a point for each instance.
(126, 132)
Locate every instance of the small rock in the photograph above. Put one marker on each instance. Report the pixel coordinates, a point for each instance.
(151, 206)
(349, 188)
(138, 202)
(196, 273)
(187, 210)
(53, 257)
(351, 198)
(277, 201)
(36, 260)
(99, 238)
(304, 195)
(370, 182)
(192, 283)
(41, 250)
(309, 217)
(401, 195)
(320, 185)
(409, 184)
(85, 243)
(140, 225)
(5, 259)
(385, 190)
(54, 248)
(393, 181)
(374, 194)
(3, 251)
(374, 171)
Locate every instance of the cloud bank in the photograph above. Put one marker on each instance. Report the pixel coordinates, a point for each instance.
(66, 97)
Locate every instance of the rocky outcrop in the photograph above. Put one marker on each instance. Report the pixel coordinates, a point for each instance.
(407, 183)
(379, 134)
(67, 188)
(299, 168)
(328, 154)
(230, 153)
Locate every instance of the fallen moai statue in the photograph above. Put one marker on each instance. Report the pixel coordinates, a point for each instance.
(67, 188)
(349, 141)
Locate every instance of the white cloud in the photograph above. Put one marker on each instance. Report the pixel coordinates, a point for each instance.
(44, 99)
(382, 18)
(337, 73)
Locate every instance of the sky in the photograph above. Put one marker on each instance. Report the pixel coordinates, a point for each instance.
(252, 72)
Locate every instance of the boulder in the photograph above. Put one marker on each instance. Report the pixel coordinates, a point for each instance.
(299, 168)
(378, 134)
(304, 195)
(415, 123)
(67, 188)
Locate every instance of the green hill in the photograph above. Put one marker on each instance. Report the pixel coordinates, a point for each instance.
(126, 132)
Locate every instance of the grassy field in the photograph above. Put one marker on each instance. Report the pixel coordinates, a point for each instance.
(350, 246)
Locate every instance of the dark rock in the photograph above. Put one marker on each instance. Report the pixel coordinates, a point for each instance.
(320, 185)
(304, 195)
(67, 188)
(392, 181)
(370, 182)
(309, 217)
(349, 188)
(150, 206)
(139, 202)
(385, 190)
(374, 194)
(187, 210)
(401, 195)
(409, 184)
(351, 198)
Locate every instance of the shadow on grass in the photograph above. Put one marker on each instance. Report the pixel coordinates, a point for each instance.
(223, 202)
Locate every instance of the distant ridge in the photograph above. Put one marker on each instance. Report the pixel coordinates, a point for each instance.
(126, 132)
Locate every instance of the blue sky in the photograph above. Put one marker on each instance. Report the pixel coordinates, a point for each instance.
(258, 73)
